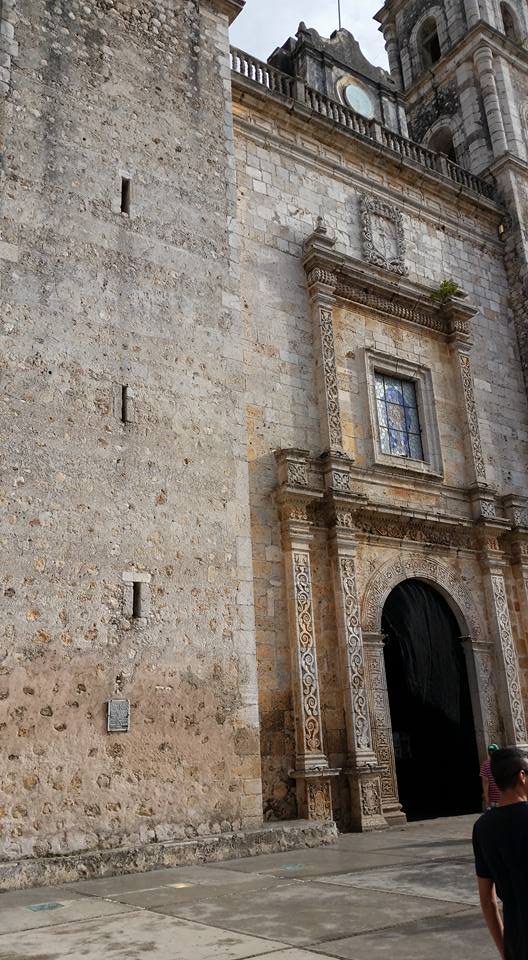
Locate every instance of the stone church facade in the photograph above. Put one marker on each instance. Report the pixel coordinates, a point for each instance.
(214, 272)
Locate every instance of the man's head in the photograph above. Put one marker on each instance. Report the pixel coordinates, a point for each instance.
(509, 768)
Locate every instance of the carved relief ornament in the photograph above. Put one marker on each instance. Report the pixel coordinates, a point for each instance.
(486, 673)
(472, 417)
(354, 645)
(311, 717)
(509, 657)
(427, 568)
(330, 379)
(383, 234)
(319, 800)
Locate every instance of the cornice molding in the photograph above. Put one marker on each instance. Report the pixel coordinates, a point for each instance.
(323, 491)
(360, 282)
(230, 8)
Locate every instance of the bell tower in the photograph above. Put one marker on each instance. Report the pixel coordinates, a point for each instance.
(462, 67)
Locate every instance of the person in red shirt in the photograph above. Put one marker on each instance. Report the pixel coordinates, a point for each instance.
(492, 794)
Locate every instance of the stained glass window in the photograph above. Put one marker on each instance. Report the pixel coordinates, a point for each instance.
(399, 423)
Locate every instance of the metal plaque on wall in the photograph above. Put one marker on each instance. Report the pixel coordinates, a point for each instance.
(118, 716)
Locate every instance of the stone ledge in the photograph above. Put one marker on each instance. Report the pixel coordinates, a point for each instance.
(90, 864)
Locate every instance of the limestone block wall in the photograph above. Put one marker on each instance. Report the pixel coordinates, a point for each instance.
(102, 487)
(287, 179)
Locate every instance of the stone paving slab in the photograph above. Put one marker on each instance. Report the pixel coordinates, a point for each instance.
(305, 913)
(405, 894)
(182, 894)
(56, 912)
(202, 876)
(138, 936)
(438, 938)
(452, 882)
(311, 863)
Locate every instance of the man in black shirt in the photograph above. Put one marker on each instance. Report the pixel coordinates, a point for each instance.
(500, 842)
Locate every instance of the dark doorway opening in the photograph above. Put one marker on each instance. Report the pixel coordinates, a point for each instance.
(432, 718)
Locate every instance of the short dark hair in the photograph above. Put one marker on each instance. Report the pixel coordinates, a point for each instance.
(506, 764)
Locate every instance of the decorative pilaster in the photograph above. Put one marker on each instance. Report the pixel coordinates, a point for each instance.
(483, 60)
(381, 726)
(312, 770)
(363, 770)
(393, 54)
(516, 510)
(320, 261)
(472, 12)
(488, 725)
(460, 345)
(505, 656)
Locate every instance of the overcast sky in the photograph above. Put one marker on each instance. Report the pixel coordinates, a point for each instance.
(266, 24)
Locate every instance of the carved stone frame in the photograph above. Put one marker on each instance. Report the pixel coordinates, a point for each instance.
(370, 207)
(432, 465)
(481, 657)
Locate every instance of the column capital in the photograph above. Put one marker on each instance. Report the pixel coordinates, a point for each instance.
(483, 57)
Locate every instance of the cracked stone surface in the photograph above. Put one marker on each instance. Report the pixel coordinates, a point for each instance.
(338, 902)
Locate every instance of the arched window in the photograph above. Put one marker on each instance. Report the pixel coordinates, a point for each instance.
(429, 43)
(442, 142)
(509, 22)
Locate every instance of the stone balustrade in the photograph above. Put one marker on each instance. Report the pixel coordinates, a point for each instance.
(294, 88)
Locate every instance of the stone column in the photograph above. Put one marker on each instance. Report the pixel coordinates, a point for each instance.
(509, 104)
(363, 771)
(483, 59)
(507, 666)
(381, 724)
(320, 262)
(312, 771)
(461, 346)
(480, 660)
(393, 53)
(472, 9)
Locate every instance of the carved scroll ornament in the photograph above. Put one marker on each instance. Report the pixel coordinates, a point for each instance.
(330, 379)
(509, 656)
(485, 669)
(355, 664)
(472, 417)
(307, 656)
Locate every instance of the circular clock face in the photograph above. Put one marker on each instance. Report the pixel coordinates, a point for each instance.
(359, 100)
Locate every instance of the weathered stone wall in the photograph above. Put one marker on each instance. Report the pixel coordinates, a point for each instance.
(94, 299)
(286, 180)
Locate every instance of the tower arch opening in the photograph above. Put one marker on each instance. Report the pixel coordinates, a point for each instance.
(441, 141)
(509, 22)
(437, 765)
(429, 43)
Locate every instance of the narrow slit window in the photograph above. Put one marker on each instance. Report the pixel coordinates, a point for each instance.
(124, 404)
(125, 195)
(137, 600)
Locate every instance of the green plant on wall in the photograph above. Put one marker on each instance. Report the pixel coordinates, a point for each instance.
(446, 290)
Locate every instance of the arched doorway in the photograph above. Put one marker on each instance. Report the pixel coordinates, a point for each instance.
(431, 713)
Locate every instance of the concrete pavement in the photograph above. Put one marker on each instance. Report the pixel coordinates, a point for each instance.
(408, 893)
